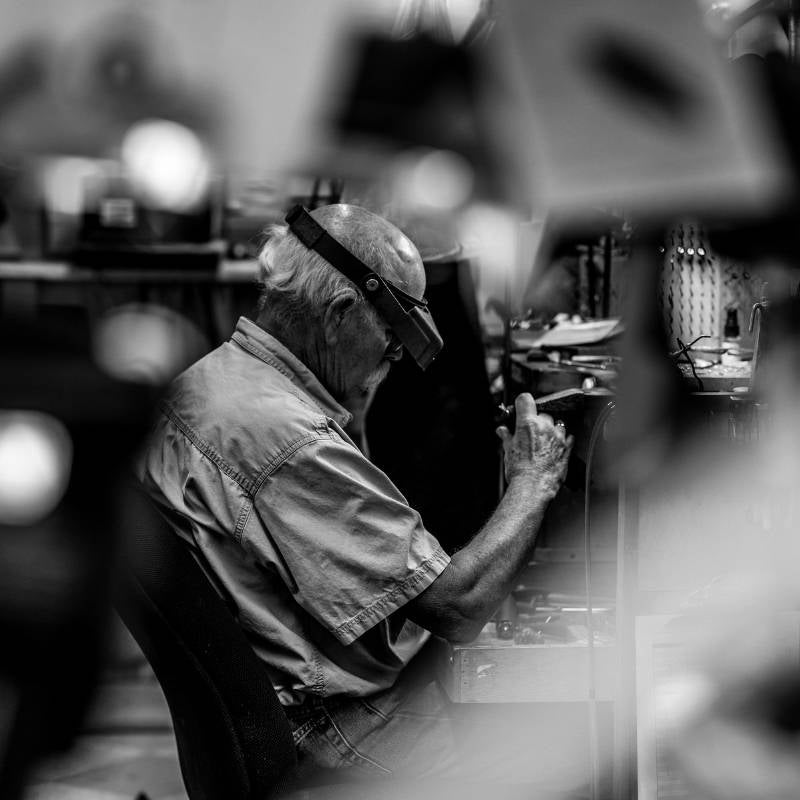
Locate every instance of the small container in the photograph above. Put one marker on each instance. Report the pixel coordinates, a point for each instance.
(731, 330)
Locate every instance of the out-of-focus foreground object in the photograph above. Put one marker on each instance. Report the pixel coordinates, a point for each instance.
(67, 431)
(75, 83)
(630, 103)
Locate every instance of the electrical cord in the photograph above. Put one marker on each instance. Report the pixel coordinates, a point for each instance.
(683, 350)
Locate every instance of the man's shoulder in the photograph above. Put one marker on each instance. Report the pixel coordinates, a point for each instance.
(242, 411)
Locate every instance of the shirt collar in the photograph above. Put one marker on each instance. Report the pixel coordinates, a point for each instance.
(263, 345)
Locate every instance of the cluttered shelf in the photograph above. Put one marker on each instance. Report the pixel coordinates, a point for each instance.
(206, 288)
(585, 354)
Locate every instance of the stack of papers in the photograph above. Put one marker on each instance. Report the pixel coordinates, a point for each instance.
(571, 334)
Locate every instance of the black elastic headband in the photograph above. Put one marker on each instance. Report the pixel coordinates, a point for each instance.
(407, 316)
(316, 238)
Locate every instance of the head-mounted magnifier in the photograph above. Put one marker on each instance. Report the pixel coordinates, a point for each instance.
(408, 317)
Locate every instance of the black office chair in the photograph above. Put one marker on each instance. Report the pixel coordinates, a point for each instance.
(233, 737)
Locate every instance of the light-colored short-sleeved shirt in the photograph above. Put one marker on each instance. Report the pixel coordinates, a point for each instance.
(316, 547)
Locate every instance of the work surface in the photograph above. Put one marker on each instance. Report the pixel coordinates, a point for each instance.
(226, 272)
(492, 670)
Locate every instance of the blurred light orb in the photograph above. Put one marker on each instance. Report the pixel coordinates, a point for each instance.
(64, 183)
(35, 465)
(167, 163)
(145, 343)
(437, 179)
(493, 233)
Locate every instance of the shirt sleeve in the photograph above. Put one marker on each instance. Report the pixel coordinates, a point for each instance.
(355, 549)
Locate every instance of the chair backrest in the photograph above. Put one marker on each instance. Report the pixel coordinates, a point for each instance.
(233, 737)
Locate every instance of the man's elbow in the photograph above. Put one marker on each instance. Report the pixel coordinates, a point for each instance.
(464, 633)
(459, 628)
(451, 608)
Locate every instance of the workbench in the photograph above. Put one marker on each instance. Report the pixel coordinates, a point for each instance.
(493, 670)
(213, 298)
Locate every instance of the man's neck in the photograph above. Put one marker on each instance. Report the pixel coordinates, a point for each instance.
(291, 343)
(308, 350)
(310, 354)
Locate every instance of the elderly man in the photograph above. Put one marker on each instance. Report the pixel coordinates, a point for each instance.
(333, 575)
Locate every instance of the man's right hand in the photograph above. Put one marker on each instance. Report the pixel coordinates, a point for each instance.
(461, 600)
(538, 451)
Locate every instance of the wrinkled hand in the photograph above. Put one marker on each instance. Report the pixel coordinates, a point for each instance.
(538, 451)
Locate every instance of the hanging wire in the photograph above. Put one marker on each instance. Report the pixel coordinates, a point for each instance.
(683, 351)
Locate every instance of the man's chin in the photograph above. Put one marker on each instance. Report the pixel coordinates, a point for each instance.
(376, 378)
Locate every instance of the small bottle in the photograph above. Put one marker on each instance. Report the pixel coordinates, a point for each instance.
(732, 340)
(731, 331)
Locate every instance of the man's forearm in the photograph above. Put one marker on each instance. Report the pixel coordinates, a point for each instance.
(463, 598)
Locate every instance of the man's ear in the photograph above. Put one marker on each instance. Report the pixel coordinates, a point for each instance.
(336, 315)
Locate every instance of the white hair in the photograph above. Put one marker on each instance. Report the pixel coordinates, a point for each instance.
(297, 284)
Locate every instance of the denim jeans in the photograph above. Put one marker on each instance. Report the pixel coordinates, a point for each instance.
(405, 730)
(414, 730)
